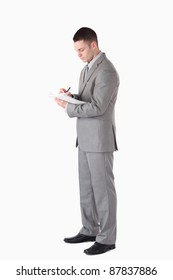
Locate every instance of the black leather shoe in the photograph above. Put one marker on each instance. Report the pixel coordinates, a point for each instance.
(79, 238)
(98, 248)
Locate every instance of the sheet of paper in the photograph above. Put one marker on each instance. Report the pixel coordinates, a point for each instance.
(65, 97)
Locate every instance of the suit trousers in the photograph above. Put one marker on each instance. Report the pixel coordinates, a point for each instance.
(98, 200)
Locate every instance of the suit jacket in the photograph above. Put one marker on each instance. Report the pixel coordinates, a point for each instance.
(95, 119)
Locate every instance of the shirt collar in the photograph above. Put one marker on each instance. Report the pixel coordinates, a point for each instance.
(90, 64)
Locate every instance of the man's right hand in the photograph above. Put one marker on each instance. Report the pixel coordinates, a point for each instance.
(63, 90)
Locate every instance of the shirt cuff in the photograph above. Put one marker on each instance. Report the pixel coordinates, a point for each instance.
(66, 108)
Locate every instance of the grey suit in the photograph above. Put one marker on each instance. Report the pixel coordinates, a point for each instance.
(96, 138)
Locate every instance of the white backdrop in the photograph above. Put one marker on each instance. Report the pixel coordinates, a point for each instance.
(39, 201)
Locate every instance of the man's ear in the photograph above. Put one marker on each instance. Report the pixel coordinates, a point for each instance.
(94, 45)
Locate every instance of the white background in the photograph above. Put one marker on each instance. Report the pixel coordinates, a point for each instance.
(39, 200)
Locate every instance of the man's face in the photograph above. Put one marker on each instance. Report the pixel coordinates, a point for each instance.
(84, 50)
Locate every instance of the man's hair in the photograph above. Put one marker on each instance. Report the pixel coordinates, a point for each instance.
(86, 34)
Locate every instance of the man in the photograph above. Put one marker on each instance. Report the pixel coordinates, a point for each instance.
(96, 141)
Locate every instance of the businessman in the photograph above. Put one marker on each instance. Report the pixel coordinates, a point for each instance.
(96, 142)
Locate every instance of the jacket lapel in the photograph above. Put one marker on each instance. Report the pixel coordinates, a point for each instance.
(90, 73)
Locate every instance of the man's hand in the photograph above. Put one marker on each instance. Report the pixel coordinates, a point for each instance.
(63, 90)
(60, 102)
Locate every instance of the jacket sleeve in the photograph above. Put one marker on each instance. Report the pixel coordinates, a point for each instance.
(75, 96)
(105, 91)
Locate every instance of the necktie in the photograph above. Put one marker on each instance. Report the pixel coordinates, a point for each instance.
(85, 72)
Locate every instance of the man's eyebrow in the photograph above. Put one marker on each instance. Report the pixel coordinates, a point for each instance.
(80, 49)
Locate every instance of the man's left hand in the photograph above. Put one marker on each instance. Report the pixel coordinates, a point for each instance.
(60, 102)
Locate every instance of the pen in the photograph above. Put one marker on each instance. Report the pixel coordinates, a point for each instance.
(68, 89)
